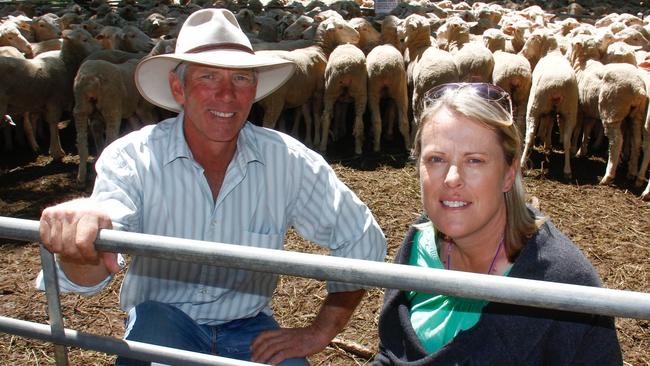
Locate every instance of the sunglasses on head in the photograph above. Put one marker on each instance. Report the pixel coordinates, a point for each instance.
(486, 91)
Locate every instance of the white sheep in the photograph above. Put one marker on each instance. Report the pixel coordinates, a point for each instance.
(553, 94)
(304, 89)
(643, 168)
(10, 36)
(387, 78)
(513, 74)
(345, 77)
(621, 52)
(474, 62)
(427, 66)
(389, 32)
(106, 90)
(612, 93)
(369, 37)
(45, 83)
(495, 39)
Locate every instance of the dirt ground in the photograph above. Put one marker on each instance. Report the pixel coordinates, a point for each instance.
(610, 224)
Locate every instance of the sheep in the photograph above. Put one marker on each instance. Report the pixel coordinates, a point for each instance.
(474, 62)
(620, 52)
(345, 76)
(128, 38)
(387, 77)
(427, 66)
(304, 86)
(643, 169)
(389, 26)
(513, 74)
(495, 39)
(554, 92)
(10, 36)
(307, 83)
(45, 83)
(46, 27)
(369, 37)
(296, 29)
(157, 25)
(106, 90)
(612, 93)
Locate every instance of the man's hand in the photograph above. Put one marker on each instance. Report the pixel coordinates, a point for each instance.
(70, 229)
(275, 346)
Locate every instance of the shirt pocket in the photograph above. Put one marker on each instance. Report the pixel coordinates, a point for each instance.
(269, 241)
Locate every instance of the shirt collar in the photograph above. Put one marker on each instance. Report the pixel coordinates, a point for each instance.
(247, 144)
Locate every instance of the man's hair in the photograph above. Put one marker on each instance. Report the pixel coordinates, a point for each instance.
(181, 70)
(520, 224)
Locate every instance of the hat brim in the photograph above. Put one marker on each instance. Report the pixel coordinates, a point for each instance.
(151, 74)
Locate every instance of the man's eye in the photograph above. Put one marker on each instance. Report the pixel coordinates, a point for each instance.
(243, 79)
(207, 76)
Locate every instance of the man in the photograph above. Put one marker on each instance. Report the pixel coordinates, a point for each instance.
(210, 175)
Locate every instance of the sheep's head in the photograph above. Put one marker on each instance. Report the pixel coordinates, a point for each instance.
(340, 31)
(412, 26)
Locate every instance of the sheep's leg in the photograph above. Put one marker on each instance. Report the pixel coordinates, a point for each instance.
(7, 136)
(81, 125)
(112, 120)
(391, 116)
(375, 116)
(29, 131)
(401, 104)
(340, 120)
(615, 136)
(53, 116)
(326, 120)
(635, 141)
(306, 113)
(567, 124)
(272, 114)
(587, 129)
(646, 193)
(317, 110)
(643, 169)
(359, 93)
(531, 126)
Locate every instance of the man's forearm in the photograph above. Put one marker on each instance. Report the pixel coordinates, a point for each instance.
(336, 311)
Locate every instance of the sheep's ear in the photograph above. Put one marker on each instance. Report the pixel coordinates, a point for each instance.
(471, 24)
(645, 65)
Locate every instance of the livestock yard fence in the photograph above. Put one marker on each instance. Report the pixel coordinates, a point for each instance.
(616, 303)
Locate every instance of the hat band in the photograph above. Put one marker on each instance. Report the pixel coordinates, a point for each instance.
(211, 47)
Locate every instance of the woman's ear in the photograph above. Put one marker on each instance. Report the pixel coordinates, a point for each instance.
(511, 175)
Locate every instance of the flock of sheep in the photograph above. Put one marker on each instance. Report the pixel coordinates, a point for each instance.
(592, 77)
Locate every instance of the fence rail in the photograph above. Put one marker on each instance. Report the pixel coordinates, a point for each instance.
(603, 301)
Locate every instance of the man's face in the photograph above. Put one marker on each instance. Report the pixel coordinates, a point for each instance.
(216, 101)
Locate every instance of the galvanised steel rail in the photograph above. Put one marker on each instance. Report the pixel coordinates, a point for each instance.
(551, 295)
(110, 345)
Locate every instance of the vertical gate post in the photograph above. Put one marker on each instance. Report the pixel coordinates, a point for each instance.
(53, 304)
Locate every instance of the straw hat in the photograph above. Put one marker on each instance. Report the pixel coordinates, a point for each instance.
(209, 37)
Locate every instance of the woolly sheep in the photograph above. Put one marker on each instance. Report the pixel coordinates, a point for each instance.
(46, 27)
(10, 36)
(612, 93)
(304, 88)
(643, 169)
(620, 52)
(345, 76)
(513, 74)
(369, 37)
(45, 83)
(427, 66)
(106, 90)
(389, 35)
(296, 29)
(474, 62)
(554, 92)
(387, 77)
(495, 39)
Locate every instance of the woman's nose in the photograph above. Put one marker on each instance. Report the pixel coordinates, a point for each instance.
(453, 178)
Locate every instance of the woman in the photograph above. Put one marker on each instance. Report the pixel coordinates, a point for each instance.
(467, 152)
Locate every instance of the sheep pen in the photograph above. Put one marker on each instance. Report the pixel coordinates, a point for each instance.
(610, 224)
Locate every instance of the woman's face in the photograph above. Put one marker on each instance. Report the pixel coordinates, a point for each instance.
(463, 175)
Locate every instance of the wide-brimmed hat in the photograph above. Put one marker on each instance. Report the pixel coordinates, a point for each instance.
(209, 37)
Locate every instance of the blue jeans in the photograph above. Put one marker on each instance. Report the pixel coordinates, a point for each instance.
(165, 325)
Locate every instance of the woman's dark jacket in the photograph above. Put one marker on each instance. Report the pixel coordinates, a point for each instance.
(510, 334)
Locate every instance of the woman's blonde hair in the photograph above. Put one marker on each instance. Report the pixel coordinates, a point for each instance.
(464, 99)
